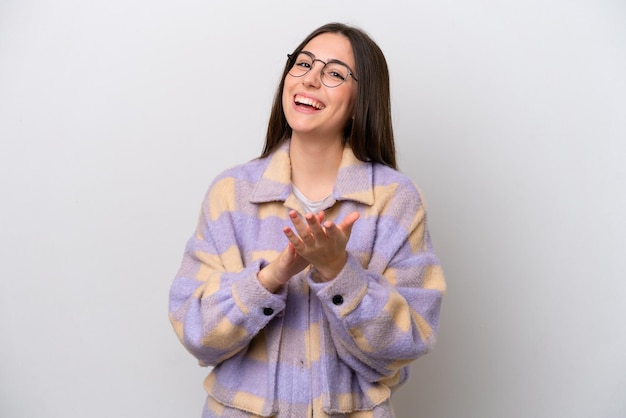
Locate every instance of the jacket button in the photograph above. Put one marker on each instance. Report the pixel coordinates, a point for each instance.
(268, 311)
(337, 300)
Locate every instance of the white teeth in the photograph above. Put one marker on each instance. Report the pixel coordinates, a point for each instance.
(310, 102)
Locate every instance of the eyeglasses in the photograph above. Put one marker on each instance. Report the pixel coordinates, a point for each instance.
(334, 72)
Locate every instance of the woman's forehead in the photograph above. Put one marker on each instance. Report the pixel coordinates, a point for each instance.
(329, 46)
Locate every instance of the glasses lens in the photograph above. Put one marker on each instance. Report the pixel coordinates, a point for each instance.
(301, 65)
(334, 74)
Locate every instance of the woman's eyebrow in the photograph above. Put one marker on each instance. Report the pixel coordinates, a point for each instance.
(333, 60)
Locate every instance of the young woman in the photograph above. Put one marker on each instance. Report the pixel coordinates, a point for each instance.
(311, 283)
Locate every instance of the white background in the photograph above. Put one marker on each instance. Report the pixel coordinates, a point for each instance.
(115, 116)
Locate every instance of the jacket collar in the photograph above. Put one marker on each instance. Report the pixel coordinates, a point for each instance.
(354, 179)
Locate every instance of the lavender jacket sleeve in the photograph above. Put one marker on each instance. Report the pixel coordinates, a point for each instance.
(217, 304)
(383, 308)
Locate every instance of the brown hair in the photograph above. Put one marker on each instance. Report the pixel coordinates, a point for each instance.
(370, 133)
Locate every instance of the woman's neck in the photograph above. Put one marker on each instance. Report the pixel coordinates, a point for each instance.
(314, 165)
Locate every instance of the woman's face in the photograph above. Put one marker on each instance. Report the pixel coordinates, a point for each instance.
(310, 107)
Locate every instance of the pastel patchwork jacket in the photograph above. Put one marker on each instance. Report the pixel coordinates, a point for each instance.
(313, 348)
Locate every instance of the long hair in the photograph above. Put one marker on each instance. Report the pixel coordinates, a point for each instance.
(370, 133)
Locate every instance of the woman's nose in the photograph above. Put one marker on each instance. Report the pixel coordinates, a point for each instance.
(314, 76)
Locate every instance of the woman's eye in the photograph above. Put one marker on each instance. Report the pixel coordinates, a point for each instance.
(335, 74)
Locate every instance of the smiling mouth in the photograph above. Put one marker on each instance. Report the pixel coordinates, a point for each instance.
(307, 101)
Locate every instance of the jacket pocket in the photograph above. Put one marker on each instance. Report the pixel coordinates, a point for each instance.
(247, 381)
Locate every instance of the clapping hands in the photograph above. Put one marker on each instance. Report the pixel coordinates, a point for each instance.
(322, 243)
(312, 240)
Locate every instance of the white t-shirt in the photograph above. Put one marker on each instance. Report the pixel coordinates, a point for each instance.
(309, 205)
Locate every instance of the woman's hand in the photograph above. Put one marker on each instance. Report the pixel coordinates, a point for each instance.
(322, 244)
(278, 272)
(284, 267)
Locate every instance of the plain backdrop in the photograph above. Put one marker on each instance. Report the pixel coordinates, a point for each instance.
(116, 115)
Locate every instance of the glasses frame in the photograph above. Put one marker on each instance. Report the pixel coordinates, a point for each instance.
(292, 57)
